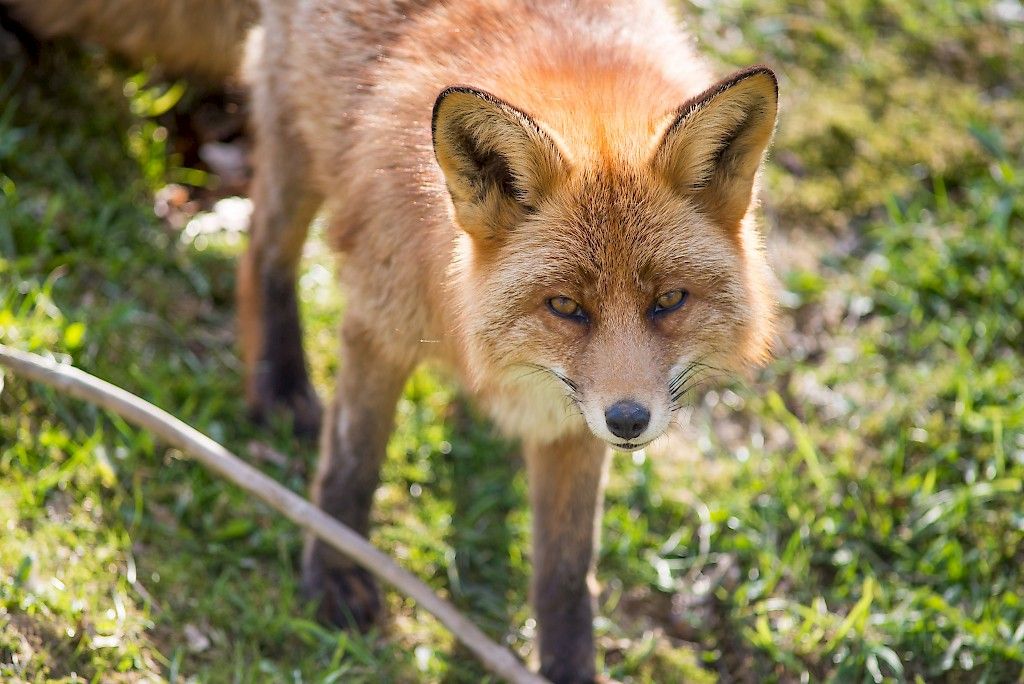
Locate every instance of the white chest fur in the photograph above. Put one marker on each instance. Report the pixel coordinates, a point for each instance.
(533, 407)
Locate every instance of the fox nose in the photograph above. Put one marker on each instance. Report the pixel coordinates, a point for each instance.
(627, 419)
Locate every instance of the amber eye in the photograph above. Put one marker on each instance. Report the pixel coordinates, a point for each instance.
(670, 301)
(566, 308)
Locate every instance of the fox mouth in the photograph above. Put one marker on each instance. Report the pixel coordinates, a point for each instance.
(630, 446)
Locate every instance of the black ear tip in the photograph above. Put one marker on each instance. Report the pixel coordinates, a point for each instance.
(484, 98)
(770, 73)
(463, 90)
(763, 69)
(725, 84)
(755, 71)
(439, 101)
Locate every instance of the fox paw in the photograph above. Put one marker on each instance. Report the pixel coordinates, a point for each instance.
(299, 402)
(305, 410)
(345, 597)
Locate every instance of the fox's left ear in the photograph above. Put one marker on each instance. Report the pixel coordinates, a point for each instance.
(497, 162)
(714, 144)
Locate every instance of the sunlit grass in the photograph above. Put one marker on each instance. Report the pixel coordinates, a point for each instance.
(852, 514)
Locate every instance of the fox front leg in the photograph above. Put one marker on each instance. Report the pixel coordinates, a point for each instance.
(566, 494)
(352, 449)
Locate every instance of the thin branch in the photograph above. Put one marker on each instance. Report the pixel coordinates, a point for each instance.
(77, 383)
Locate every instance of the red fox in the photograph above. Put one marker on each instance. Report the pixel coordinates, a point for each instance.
(557, 193)
(554, 199)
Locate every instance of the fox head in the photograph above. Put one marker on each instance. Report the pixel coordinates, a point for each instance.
(613, 283)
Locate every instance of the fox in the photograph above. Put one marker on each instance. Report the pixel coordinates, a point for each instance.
(555, 201)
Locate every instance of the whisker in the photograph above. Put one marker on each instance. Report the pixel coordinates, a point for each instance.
(689, 373)
(572, 387)
(690, 388)
(683, 376)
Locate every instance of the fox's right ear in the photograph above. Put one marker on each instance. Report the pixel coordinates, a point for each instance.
(713, 145)
(497, 162)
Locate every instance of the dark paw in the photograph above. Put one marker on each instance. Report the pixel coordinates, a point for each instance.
(345, 597)
(300, 403)
(568, 656)
(559, 675)
(305, 411)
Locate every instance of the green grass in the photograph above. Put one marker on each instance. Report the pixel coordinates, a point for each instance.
(852, 514)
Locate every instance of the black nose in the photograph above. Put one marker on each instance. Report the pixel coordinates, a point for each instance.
(627, 419)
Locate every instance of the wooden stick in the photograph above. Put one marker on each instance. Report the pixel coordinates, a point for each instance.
(77, 383)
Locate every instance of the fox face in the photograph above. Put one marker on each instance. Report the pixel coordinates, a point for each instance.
(606, 286)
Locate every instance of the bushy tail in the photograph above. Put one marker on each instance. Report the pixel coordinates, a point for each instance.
(203, 38)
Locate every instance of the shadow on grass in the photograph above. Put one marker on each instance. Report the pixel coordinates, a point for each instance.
(490, 576)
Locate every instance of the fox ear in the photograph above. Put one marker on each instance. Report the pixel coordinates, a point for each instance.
(497, 162)
(714, 144)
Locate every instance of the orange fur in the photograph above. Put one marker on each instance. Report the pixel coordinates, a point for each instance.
(479, 157)
(599, 85)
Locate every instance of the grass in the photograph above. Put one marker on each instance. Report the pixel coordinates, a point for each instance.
(852, 514)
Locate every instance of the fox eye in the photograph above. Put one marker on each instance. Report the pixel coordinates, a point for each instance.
(566, 308)
(670, 301)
